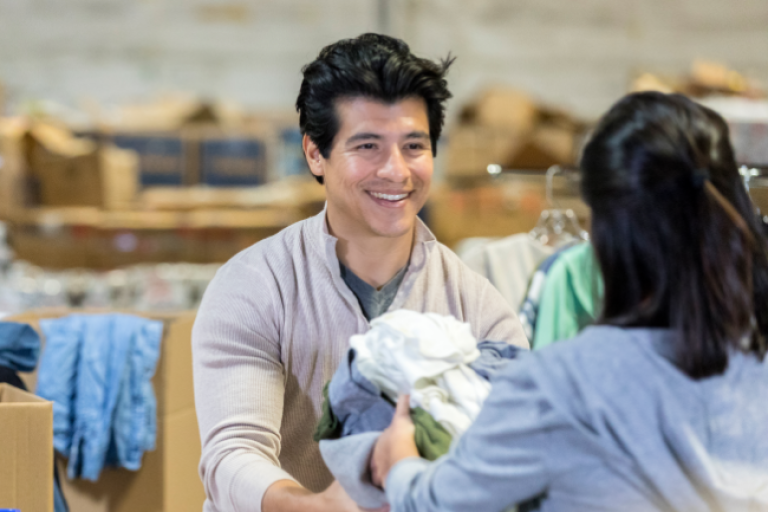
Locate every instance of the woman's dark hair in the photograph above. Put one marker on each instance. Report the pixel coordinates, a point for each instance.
(676, 236)
(373, 66)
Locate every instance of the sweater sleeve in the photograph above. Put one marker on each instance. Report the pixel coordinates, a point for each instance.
(498, 322)
(510, 454)
(239, 387)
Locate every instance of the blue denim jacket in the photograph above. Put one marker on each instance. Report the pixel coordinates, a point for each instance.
(19, 346)
(97, 370)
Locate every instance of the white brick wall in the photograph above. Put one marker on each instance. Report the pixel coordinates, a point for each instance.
(583, 53)
(579, 54)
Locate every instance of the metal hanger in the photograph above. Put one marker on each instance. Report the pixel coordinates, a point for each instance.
(557, 227)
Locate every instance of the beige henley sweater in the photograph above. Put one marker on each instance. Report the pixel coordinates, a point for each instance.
(274, 324)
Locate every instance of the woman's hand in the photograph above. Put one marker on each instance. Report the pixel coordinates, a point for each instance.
(395, 444)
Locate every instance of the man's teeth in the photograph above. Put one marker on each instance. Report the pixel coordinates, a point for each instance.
(389, 197)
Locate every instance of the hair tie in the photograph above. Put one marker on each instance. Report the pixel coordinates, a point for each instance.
(699, 177)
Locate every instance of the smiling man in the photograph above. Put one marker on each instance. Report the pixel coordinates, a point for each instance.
(276, 321)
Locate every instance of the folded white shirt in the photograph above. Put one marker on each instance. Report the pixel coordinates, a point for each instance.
(425, 355)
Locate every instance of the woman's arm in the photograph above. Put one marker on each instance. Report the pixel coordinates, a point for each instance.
(508, 455)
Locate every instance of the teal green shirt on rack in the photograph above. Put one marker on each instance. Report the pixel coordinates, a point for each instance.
(572, 295)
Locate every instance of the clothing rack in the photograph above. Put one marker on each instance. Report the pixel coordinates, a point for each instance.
(496, 170)
(556, 220)
(755, 181)
(571, 175)
(754, 177)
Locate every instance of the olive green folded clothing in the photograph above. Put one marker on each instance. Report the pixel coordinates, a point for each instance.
(329, 426)
(432, 440)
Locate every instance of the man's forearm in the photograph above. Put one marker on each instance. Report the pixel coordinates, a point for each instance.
(288, 496)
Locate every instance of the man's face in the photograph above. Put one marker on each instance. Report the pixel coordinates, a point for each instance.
(378, 173)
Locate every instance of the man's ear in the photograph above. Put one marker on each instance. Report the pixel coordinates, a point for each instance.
(314, 158)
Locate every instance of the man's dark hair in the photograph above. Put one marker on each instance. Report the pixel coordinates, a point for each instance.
(373, 66)
(677, 238)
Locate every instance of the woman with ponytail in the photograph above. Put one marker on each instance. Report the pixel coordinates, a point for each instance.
(663, 406)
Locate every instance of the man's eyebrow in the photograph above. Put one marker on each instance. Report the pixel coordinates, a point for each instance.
(417, 135)
(363, 136)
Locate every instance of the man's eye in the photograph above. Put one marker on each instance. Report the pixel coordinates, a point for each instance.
(367, 145)
(414, 146)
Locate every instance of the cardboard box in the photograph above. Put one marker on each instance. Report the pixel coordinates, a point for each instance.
(71, 171)
(87, 237)
(487, 211)
(166, 113)
(472, 148)
(291, 160)
(120, 177)
(164, 157)
(14, 183)
(168, 480)
(280, 131)
(205, 155)
(504, 207)
(69, 180)
(67, 247)
(546, 146)
(502, 107)
(66, 168)
(232, 159)
(26, 451)
(170, 112)
(288, 194)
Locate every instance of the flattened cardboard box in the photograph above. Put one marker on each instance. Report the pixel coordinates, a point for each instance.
(26, 451)
(168, 480)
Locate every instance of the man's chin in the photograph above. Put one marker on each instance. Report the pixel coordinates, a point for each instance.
(392, 231)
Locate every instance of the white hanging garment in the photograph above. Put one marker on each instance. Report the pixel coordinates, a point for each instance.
(472, 253)
(508, 263)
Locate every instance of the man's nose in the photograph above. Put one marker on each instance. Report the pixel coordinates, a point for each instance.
(395, 168)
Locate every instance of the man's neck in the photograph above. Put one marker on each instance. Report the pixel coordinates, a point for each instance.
(374, 259)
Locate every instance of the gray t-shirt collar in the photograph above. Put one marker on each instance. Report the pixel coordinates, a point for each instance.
(373, 302)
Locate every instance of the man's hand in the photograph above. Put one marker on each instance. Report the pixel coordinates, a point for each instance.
(395, 444)
(287, 496)
(335, 498)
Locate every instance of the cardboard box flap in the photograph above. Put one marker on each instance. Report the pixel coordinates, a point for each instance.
(60, 142)
(13, 395)
(26, 448)
(502, 107)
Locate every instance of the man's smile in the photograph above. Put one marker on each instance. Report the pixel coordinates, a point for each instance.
(389, 197)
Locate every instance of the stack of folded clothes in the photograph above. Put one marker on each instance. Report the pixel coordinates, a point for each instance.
(433, 358)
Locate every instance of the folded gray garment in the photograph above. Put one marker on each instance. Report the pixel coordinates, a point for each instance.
(494, 357)
(356, 401)
(348, 459)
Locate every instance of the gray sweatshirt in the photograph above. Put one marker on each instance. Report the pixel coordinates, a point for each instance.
(605, 422)
(273, 326)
